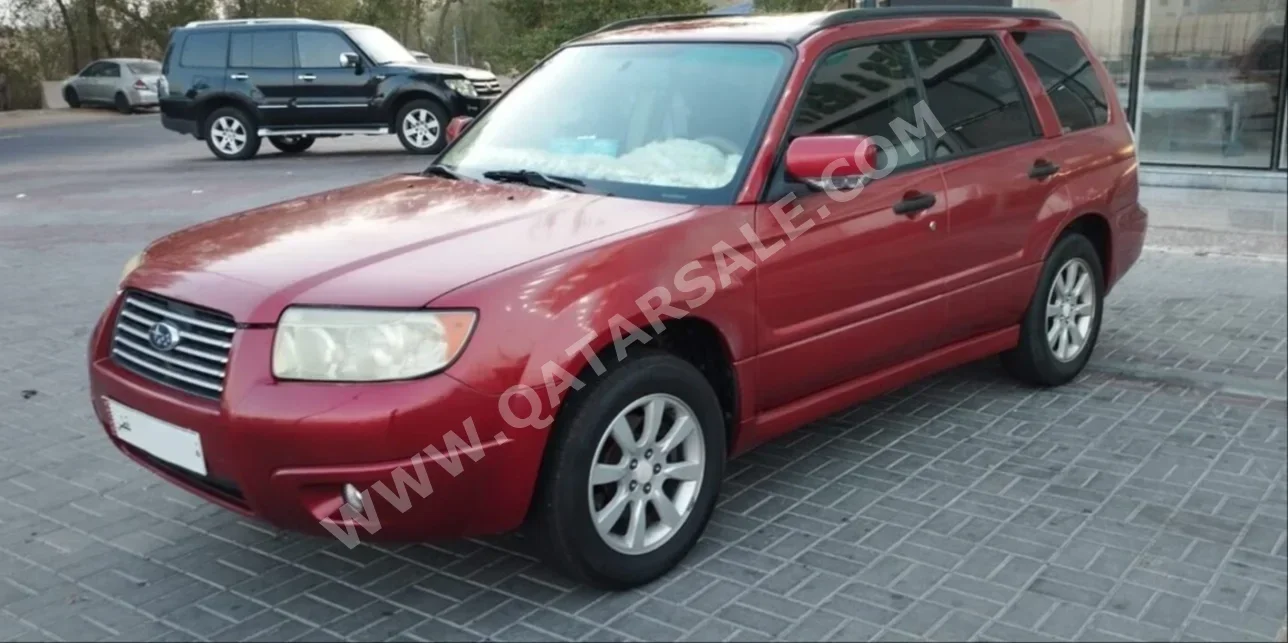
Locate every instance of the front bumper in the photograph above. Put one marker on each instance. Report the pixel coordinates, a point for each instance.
(466, 106)
(282, 451)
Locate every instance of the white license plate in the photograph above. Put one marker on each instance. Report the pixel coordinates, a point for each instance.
(176, 445)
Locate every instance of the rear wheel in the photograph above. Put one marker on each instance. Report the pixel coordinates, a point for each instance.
(421, 125)
(231, 135)
(292, 144)
(1062, 323)
(122, 103)
(633, 473)
(71, 97)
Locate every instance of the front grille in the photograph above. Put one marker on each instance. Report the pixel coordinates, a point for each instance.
(487, 88)
(196, 364)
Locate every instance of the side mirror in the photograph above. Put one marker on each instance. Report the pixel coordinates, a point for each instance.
(456, 126)
(350, 59)
(832, 161)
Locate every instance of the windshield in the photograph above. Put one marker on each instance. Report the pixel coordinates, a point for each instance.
(145, 67)
(380, 46)
(666, 122)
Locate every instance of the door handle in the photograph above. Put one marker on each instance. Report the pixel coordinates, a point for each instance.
(239, 76)
(1043, 168)
(914, 202)
(308, 78)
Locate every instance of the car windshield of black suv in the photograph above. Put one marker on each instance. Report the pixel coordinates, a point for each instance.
(662, 122)
(380, 46)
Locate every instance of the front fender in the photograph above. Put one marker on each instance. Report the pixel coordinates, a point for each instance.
(543, 321)
(394, 89)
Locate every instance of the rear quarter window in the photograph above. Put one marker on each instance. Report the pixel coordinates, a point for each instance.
(973, 92)
(1068, 77)
(169, 56)
(205, 49)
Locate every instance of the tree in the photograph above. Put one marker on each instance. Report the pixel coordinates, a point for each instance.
(540, 26)
(72, 42)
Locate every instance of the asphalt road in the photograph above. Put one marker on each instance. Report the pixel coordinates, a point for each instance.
(128, 177)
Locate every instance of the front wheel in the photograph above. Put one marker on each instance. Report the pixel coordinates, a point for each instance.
(1062, 323)
(292, 144)
(230, 134)
(421, 125)
(633, 473)
(71, 98)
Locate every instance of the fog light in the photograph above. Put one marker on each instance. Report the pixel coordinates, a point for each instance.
(352, 497)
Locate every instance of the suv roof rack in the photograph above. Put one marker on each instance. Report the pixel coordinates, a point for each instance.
(250, 21)
(883, 13)
(648, 20)
(837, 18)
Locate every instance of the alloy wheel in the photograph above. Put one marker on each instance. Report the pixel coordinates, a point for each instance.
(421, 128)
(1071, 310)
(229, 134)
(646, 474)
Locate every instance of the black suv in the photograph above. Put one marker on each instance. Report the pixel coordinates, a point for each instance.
(233, 83)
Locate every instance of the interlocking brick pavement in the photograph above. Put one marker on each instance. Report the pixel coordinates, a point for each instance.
(1146, 500)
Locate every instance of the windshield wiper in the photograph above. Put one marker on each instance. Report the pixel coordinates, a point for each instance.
(536, 180)
(441, 170)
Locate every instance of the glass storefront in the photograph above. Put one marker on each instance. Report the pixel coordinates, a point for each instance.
(1212, 82)
(1210, 75)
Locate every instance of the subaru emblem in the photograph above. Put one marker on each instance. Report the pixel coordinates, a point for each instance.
(164, 336)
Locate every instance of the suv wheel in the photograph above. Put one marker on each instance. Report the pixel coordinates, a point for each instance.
(292, 144)
(230, 134)
(633, 473)
(122, 103)
(1062, 323)
(71, 97)
(421, 125)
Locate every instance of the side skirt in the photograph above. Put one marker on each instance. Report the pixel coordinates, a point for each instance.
(784, 419)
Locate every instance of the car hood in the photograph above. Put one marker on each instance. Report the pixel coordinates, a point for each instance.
(446, 70)
(395, 242)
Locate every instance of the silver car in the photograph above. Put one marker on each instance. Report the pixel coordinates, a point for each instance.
(127, 84)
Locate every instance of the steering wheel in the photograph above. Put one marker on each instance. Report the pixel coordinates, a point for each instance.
(723, 144)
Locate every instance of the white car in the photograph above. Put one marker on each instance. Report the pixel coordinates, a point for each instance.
(128, 84)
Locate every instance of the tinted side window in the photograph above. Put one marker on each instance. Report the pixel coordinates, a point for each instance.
(864, 91)
(205, 49)
(321, 48)
(169, 53)
(111, 70)
(263, 49)
(1068, 77)
(974, 94)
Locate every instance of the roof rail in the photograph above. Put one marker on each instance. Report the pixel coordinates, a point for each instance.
(879, 13)
(250, 21)
(649, 20)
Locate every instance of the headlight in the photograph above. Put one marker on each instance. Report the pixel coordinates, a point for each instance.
(355, 345)
(130, 266)
(462, 87)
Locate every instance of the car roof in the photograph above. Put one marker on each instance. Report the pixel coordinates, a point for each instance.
(248, 23)
(785, 28)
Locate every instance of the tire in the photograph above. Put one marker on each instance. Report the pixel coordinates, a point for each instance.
(122, 103)
(1038, 361)
(429, 113)
(561, 521)
(71, 98)
(292, 144)
(231, 122)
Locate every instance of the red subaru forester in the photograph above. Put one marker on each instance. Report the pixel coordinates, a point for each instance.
(671, 241)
